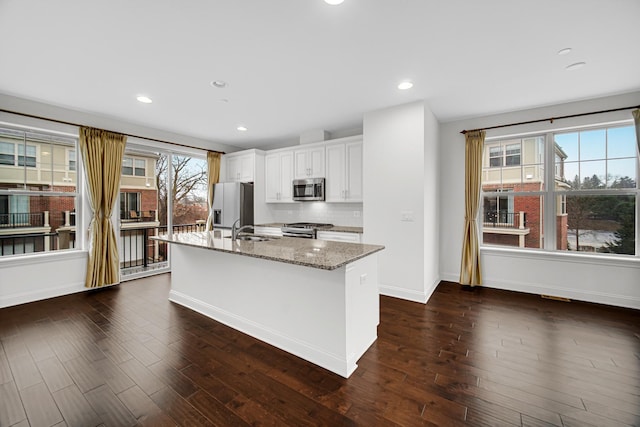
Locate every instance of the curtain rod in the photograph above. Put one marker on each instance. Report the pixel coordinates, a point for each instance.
(550, 119)
(63, 122)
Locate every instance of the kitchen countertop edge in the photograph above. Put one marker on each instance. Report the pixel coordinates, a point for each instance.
(246, 249)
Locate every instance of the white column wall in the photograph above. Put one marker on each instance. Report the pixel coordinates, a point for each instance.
(401, 181)
(575, 276)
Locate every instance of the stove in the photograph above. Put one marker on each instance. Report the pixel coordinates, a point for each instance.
(307, 230)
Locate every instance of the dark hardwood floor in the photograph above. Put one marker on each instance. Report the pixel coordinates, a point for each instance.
(126, 356)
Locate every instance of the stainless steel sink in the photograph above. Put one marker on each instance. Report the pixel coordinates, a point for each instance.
(253, 238)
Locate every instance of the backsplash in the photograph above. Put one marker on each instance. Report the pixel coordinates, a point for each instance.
(345, 214)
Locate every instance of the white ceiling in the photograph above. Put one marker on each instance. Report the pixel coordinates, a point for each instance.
(298, 65)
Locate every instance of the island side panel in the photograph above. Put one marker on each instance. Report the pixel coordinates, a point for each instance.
(298, 309)
(362, 305)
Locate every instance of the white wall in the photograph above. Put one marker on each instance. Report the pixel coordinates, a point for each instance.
(575, 276)
(396, 177)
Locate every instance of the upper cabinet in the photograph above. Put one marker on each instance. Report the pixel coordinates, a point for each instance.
(309, 162)
(344, 172)
(238, 167)
(278, 167)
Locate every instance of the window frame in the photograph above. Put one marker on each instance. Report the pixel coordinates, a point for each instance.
(554, 199)
(134, 168)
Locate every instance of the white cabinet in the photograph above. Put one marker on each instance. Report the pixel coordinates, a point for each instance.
(309, 162)
(239, 167)
(268, 231)
(344, 172)
(340, 236)
(279, 176)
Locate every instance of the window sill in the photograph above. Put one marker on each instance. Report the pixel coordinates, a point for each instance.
(40, 258)
(627, 261)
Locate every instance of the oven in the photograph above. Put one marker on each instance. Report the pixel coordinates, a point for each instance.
(306, 230)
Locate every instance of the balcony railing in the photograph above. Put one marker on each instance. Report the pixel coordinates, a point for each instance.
(17, 220)
(504, 219)
(36, 242)
(138, 250)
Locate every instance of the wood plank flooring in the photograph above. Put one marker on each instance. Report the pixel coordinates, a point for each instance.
(126, 356)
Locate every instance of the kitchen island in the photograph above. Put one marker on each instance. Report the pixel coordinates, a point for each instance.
(315, 299)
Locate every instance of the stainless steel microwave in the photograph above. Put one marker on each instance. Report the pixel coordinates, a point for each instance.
(309, 189)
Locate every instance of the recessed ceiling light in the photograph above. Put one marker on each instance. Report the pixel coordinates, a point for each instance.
(219, 84)
(564, 51)
(405, 85)
(333, 2)
(242, 128)
(144, 99)
(575, 66)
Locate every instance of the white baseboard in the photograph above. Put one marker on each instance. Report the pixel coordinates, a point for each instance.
(296, 347)
(408, 294)
(25, 297)
(559, 291)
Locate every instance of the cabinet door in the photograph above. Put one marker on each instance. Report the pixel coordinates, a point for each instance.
(233, 169)
(286, 176)
(246, 168)
(301, 169)
(315, 162)
(335, 179)
(272, 177)
(353, 187)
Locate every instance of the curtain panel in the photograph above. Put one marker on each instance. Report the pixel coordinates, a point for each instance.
(102, 153)
(470, 271)
(213, 177)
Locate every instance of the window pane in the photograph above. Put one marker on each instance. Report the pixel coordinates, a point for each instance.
(593, 144)
(602, 224)
(621, 173)
(593, 174)
(190, 202)
(36, 222)
(512, 220)
(127, 166)
(514, 164)
(620, 142)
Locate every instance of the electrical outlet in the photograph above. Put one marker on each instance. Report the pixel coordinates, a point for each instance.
(363, 278)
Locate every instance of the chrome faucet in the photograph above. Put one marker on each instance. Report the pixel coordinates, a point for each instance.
(235, 230)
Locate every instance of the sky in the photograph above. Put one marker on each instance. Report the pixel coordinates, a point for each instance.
(601, 152)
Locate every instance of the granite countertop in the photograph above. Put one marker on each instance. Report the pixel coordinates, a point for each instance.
(335, 228)
(322, 254)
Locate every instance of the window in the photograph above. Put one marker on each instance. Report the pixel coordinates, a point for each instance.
(133, 167)
(72, 160)
(504, 154)
(130, 205)
(36, 195)
(8, 155)
(590, 202)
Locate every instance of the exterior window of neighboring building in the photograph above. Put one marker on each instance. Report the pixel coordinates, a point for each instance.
(133, 167)
(72, 160)
(591, 191)
(8, 154)
(37, 198)
(512, 155)
(495, 156)
(129, 205)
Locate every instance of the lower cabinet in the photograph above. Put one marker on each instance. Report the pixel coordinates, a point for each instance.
(340, 236)
(268, 231)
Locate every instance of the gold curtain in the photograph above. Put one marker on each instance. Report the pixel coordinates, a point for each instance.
(102, 153)
(470, 272)
(213, 177)
(636, 118)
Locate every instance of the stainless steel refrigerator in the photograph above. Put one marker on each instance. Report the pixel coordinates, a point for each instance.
(232, 201)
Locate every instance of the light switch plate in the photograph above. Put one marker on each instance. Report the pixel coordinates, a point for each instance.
(406, 216)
